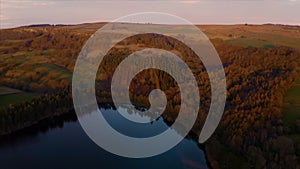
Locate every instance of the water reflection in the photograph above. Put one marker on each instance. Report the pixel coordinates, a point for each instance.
(30, 134)
(60, 142)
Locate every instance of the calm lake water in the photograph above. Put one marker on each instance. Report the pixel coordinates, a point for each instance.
(62, 143)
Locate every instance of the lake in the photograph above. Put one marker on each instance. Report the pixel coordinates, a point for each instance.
(60, 142)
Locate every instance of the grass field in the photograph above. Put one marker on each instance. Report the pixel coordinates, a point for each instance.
(265, 42)
(246, 42)
(57, 72)
(291, 111)
(13, 96)
(264, 36)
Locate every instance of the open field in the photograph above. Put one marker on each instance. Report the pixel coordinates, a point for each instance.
(291, 111)
(256, 35)
(13, 96)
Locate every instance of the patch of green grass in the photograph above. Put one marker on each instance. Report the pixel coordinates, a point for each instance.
(15, 99)
(281, 40)
(290, 114)
(13, 96)
(265, 40)
(291, 110)
(60, 73)
(247, 42)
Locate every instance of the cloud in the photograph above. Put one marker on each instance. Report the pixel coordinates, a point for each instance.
(24, 4)
(2, 17)
(189, 2)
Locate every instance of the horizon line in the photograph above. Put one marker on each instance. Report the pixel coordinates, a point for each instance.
(106, 22)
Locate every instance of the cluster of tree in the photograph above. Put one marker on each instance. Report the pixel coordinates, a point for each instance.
(252, 124)
(257, 79)
(18, 116)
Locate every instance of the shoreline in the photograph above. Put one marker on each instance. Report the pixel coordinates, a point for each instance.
(211, 163)
(59, 113)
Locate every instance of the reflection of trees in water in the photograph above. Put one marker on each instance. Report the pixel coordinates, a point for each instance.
(168, 120)
(42, 126)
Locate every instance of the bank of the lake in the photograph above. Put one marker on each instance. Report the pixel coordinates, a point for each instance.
(60, 142)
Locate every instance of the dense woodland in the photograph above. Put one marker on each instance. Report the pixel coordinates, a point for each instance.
(251, 133)
(257, 79)
(18, 116)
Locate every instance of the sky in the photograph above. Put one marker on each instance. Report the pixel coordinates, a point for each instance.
(16, 13)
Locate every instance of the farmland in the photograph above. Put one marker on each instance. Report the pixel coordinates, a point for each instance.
(12, 96)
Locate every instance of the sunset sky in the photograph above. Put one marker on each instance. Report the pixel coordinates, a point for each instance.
(17, 12)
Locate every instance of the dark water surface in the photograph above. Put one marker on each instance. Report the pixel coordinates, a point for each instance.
(61, 143)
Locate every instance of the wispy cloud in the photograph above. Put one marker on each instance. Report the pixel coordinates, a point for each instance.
(24, 4)
(188, 2)
(2, 17)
